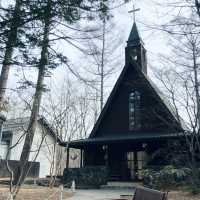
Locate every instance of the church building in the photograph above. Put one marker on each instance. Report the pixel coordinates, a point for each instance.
(136, 120)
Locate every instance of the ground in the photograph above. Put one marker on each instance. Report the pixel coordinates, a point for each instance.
(102, 194)
(115, 194)
(180, 195)
(42, 193)
(35, 193)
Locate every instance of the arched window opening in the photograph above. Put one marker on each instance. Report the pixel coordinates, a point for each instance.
(135, 55)
(134, 111)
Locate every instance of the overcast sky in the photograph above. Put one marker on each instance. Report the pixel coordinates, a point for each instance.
(150, 15)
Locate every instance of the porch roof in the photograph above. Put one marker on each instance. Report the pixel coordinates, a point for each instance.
(139, 137)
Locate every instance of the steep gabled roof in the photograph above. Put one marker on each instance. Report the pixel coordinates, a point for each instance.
(22, 123)
(167, 103)
(157, 93)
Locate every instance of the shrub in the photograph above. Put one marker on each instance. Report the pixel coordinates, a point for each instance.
(92, 176)
(166, 178)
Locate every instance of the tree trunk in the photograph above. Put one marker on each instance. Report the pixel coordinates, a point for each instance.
(102, 66)
(197, 5)
(10, 44)
(22, 171)
(196, 85)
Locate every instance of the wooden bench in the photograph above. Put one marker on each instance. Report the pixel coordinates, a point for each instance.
(142, 193)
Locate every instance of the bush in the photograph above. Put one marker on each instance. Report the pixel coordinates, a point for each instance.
(166, 178)
(86, 177)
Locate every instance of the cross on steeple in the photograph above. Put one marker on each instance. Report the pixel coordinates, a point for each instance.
(134, 11)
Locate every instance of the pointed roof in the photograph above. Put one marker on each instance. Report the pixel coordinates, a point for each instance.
(93, 139)
(134, 37)
(157, 93)
(134, 40)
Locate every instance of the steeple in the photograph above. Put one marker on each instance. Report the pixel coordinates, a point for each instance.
(134, 38)
(135, 49)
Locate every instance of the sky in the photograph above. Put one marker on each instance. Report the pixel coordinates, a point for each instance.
(156, 42)
(123, 23)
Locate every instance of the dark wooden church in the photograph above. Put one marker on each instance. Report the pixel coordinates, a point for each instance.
(136, 120)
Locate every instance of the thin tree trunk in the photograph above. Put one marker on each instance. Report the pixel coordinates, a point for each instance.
(194, 139)
(102, 66)
(10, 44)
(196, 82)
(22, 172)
(197, 4)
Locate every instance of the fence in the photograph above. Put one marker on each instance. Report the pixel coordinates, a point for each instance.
(33, 172)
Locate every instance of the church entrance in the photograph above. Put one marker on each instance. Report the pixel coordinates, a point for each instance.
(125, 165)
(117, 164)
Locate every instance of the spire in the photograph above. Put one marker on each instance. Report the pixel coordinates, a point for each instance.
(135, 50)
(134, 38)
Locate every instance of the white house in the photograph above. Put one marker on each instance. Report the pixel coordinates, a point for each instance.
(45, 149)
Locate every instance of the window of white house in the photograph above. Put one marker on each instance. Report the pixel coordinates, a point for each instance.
(134, 110)
(5, 144)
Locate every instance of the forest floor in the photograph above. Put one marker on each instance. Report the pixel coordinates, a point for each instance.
(34, 193)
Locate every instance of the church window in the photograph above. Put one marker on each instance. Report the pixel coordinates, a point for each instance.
(134, 110)
(135, 57)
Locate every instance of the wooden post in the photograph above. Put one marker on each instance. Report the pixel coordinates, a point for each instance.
(106, 155)
(67, 162)
(81, 161)
(61, 192)
(135, 165)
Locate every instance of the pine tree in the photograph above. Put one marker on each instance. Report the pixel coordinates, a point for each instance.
(48, 14)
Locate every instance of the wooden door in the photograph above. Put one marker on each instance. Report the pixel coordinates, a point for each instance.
(117, 164)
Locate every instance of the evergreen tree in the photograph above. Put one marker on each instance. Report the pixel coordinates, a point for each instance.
(49, 14)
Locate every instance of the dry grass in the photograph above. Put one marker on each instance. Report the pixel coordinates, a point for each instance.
(34, 193)
(44, 193)
(180, 195)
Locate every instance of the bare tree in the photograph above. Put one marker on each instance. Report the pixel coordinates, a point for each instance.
(100, 63)
(68, 110)
(47, 15)
(180, 78)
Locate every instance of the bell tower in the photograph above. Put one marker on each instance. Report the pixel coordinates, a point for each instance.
(135, 50)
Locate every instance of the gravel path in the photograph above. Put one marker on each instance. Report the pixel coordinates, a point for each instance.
(101, 194)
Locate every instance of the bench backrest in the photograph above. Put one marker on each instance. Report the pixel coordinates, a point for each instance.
(142, 193)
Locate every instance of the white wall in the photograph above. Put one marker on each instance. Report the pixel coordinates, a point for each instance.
(3, 151)
(45, 155)
(17, 138)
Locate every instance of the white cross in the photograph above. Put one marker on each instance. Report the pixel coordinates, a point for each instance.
(134, 11)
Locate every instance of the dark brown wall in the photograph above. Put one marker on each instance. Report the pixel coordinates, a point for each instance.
(155, 117)
(91, 158)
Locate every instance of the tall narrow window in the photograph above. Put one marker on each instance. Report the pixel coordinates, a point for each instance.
(134, 111)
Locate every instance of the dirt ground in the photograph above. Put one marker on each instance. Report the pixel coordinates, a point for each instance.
(44, 193)
(180, 195)
(34, 193)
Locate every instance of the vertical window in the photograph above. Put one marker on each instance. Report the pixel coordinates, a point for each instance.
(5, 144)
(134, 111)
(131, 164)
